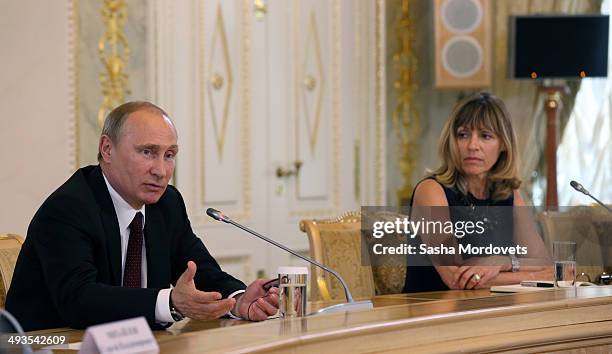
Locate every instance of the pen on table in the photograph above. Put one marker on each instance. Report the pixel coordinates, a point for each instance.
(537, 284)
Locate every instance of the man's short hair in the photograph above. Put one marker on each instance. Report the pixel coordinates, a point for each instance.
(116, 118)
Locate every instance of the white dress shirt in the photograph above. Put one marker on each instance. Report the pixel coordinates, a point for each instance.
(125, 215)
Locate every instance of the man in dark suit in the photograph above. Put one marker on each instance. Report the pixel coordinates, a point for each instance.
(108, 244)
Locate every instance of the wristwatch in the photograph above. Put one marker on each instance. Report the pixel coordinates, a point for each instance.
(516, 265)
(176, 315)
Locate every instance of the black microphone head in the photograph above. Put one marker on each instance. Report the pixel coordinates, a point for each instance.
(216, 214)
(577, 186)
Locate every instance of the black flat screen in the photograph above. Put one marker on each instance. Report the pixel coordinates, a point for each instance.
(558, 46)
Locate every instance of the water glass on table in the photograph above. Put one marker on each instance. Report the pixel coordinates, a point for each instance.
(292, 291)
(564, 257)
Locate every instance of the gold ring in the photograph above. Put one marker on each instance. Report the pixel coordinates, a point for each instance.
(477, 277)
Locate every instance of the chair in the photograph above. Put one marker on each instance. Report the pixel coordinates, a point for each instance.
(590, 227)
(337, 243)
(10, 245)
(389, 271)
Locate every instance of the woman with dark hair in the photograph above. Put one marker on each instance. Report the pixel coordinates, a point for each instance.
(478, 179)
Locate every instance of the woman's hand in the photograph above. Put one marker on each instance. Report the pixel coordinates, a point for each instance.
(503, 262)
(475, 277)
(447, 274)
(464, 277)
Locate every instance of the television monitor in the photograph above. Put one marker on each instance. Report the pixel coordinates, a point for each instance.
(542, 46)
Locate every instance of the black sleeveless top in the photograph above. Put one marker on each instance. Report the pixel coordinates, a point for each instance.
(499, 231)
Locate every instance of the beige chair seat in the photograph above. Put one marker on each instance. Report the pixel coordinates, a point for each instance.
(10, 245)
(337, 243)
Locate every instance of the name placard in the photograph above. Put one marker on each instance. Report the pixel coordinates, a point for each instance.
(121, 337)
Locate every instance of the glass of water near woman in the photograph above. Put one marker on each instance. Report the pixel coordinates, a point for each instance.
(564, 256)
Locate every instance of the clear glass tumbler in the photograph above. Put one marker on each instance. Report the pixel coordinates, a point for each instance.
(564, 257)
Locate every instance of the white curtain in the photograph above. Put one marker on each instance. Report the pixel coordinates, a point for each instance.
(585, 151)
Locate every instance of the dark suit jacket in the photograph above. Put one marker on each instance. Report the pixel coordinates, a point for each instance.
(69, 270)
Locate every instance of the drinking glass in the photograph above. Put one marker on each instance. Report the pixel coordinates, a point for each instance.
(564, 256)
(292, 291)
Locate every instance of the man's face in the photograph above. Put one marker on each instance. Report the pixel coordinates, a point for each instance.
(140, 164)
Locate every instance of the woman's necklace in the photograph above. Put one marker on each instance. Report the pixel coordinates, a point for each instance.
(479, 212)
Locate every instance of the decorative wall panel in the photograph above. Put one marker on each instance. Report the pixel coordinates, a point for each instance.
(224, 77)
(316, 136)
(92, 74)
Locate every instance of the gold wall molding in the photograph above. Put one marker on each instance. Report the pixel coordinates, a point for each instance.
(379, 182)
(202, 98)
(369, 48)
(244, 212)
(73, 90)
(114, 53)
(220, 81)
(93, 56)
(260, 9)
(336, 104)
(405, 116)
(363, 178)
(247, 15)
(335, 47)
(311, 82)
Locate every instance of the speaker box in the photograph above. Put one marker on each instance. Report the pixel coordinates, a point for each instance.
(463, 43)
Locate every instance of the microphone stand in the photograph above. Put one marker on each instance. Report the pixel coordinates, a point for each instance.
(577, 186)
(350, 305)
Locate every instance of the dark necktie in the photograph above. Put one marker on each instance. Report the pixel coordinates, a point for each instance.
(133, 256)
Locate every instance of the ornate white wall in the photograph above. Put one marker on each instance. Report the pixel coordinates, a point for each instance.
(49, 75)
(37, 105)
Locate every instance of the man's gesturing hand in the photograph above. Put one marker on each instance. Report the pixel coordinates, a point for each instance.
(256, 304)
(197, 304)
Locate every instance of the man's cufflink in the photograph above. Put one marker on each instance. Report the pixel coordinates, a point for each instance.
(176, 314)
(229, 313)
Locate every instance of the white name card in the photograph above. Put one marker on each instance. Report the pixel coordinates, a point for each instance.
(121, 337)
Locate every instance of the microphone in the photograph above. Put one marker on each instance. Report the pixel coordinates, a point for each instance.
(216, 214)
(9, 324)
(577, 186)
(349, 306)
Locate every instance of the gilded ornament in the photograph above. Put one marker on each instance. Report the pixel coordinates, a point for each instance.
(405, 117)
(114, 53)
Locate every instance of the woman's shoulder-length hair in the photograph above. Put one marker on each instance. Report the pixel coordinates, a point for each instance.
(481, 110)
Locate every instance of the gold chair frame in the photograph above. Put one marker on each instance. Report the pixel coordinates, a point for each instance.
(10, 246)
(321, 281)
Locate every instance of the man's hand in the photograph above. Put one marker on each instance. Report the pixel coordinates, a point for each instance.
(256, 304)
(196, 304)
